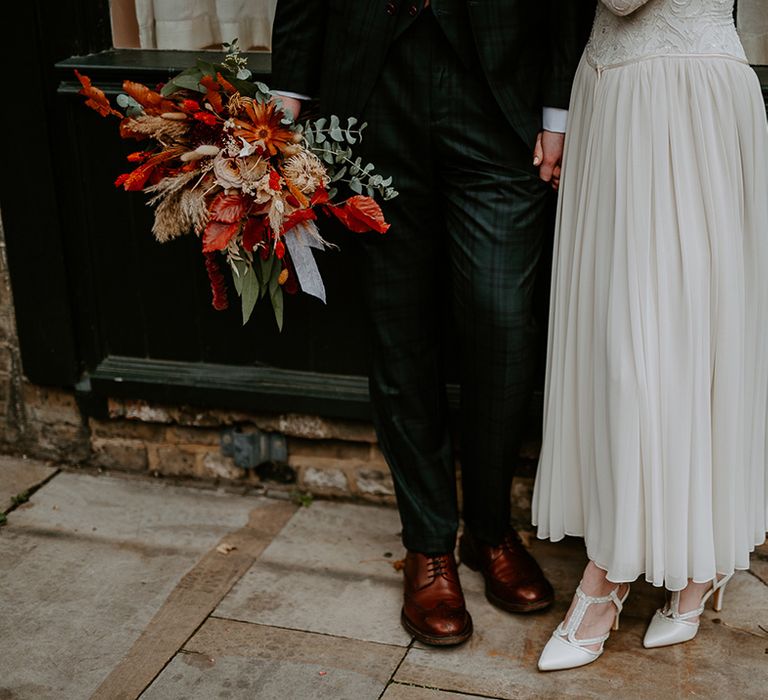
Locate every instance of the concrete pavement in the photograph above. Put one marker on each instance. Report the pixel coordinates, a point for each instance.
(116, 587)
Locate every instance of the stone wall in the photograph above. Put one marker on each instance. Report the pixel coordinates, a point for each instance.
(325, 458)
(753, 28)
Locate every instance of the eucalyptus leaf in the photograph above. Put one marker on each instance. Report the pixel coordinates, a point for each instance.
(337, 134)
(320, 137)
(355, 185)
(243, 74)
(351, 138)
(132, 108)
(340, 174)
(261, 86)
(351, 121)
(320, 123)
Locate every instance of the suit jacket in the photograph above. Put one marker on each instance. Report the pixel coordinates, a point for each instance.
(528, 49)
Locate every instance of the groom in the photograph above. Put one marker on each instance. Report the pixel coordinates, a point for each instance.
(454, 92)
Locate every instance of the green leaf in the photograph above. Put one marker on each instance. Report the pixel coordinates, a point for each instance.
(351, 121)
(266, 273)
(249, 295)
(261, 87)
(320, 123)
(241, 268)
(274, 283)
(355, 185)
(277, 306)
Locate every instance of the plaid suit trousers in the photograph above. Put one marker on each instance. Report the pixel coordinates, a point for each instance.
(467, 233)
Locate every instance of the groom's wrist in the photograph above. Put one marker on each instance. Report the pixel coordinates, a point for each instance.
(554, 119)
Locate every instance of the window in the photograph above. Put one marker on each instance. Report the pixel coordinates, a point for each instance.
(192, 24)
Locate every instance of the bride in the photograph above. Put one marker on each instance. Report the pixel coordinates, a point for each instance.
(654, 446)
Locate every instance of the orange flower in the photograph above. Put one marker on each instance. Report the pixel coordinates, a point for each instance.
(264, 128)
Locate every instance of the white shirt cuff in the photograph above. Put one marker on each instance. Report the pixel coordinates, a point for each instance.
(294, 95)
(555, 119)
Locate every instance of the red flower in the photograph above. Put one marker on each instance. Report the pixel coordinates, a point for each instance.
(255, 232)
(208, 118)
(190, 105)
(280, 250)
(217, 281)
(274, 180)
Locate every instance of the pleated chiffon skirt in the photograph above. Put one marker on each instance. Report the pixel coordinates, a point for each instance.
(655, 410)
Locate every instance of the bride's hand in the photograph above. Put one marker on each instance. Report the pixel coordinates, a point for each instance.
(548, 156)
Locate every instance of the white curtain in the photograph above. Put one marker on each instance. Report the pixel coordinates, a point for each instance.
(752, 18)
(197, 24)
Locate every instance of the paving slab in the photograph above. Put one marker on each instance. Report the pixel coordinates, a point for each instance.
(238, 660)
(85, 565)
(500, 659)
(328, 572)
(18, 475)
(398, 691)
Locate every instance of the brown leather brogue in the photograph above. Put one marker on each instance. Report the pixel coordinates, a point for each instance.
(433, 607)
(513, 579)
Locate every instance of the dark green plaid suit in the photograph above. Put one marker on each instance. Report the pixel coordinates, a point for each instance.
(453, 97)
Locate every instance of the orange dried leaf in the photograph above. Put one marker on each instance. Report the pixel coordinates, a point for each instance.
(367, 212)
(152, 101)
(212, 92)
(227, 208)
(217, 235)
(97, 100)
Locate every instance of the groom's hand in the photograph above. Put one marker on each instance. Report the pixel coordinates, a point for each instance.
(548, 156)
(290, 104)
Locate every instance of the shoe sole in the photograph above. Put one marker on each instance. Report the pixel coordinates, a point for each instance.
(448, 641)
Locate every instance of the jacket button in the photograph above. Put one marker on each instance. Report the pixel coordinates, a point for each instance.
(391, 8)
(413, 10)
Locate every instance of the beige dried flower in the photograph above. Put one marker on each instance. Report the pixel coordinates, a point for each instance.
(306, 172)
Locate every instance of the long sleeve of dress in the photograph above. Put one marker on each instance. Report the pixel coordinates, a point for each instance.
(623, 7)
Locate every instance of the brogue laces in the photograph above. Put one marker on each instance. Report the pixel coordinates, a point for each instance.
(438, 566)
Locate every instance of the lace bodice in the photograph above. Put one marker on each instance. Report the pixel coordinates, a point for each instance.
(627, 30)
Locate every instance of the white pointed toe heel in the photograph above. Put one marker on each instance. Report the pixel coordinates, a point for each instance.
(670, 626)
(564, 650)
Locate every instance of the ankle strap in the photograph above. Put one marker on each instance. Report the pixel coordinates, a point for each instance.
(584, 601)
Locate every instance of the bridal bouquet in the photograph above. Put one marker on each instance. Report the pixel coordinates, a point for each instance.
(222, 160)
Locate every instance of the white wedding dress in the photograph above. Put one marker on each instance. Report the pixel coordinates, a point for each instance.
(654, 445)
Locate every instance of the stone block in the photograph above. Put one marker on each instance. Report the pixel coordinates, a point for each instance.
(374, 482)
(329, 449)
(216, 465)
(172, 460)
(61, 442)
(119, 453)
(127, 429)
(181, 435)
(324, 481)
(47, 405)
